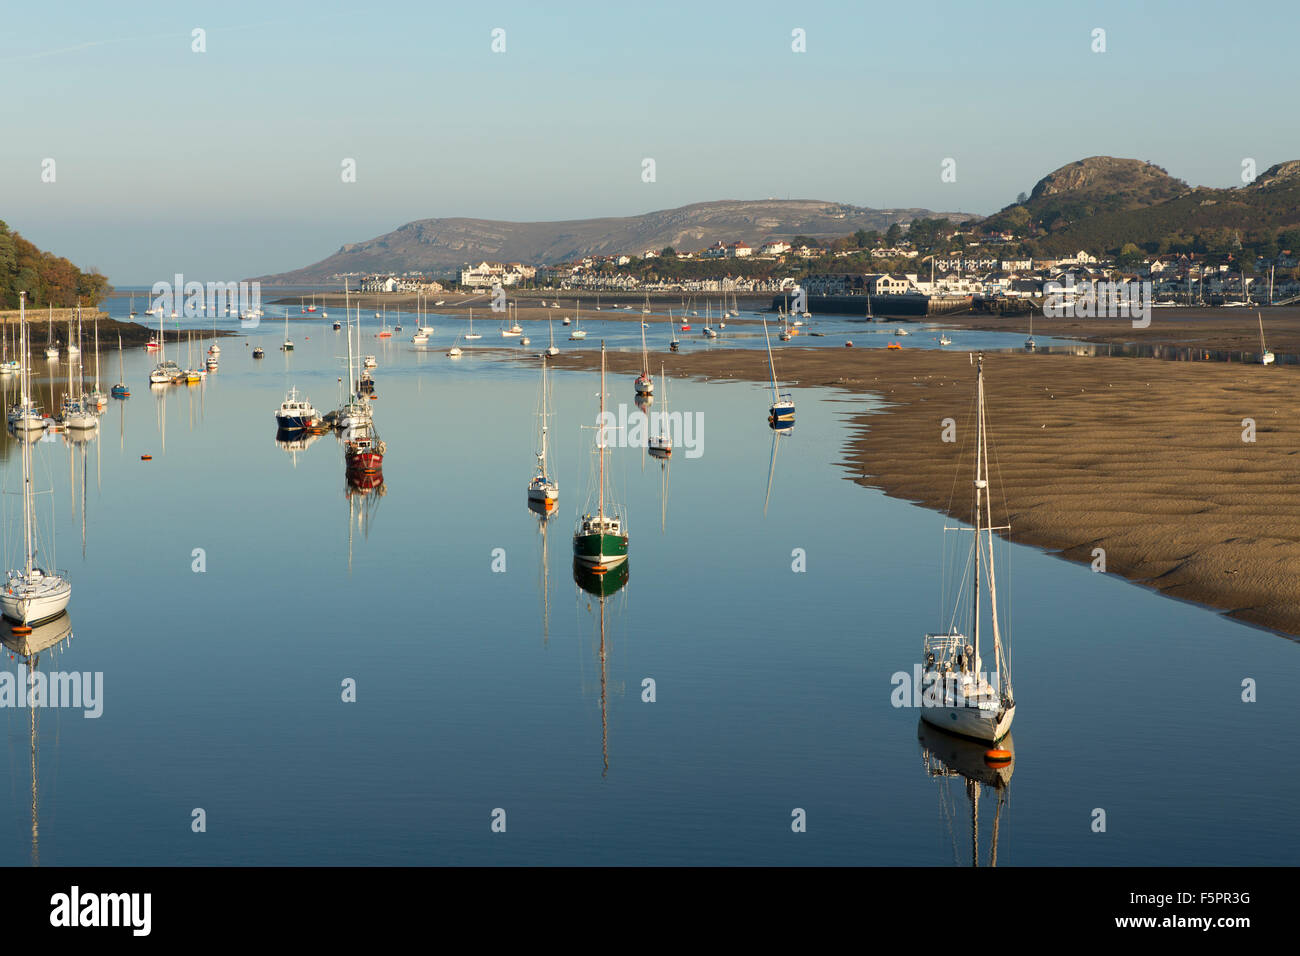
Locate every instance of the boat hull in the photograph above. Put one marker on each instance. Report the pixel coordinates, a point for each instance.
(31, 606)
(975, 723)
(597, 550)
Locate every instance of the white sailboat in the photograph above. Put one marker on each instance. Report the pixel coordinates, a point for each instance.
(1265, 356)
(288, 342)
(661, 445)
(96, 399)
(1030, 344)
(164, 372)
(32, 594)
(551, 350)
(24, 415)
(645, 382)
(51, 350)
(578, 334)
(959, 696)
(543, 491)
(471, 335)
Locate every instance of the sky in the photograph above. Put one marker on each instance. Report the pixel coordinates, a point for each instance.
(228, 163)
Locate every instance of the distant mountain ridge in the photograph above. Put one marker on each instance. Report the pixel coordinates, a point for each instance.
(440, 246)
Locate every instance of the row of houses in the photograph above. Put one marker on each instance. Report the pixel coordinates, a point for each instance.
(496, 273)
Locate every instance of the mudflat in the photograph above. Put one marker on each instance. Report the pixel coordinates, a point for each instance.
(1149, 460)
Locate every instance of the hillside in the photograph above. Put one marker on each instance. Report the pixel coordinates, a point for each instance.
(1101, 204)
(46, 278)
(441, 246)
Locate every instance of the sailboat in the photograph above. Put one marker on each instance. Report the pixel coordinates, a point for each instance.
(1265, 356)
(781, 414)
(133, 312)
(120, 390)
(51, 350)
(1030, 344)
(31, 594)
(8, 366)
(96, 399)
(673, 344)
(24, 415)
(709, 331)
(551, 349)
(646, 309)
(74, 341)
(215, 348)
(515, 329)
(165, 371)
(543, 491)
(965, 700)
(661, 445)
(578, 334)
(645, 383)
(601, 586)
(288, 342)
(472, 336)
(356, 410)
(600, 541)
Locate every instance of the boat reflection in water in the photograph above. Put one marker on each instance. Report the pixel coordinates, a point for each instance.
(28, 648)
(363, 491)
(947, 758)
(602, 585)
(294, 441)
(780, 432)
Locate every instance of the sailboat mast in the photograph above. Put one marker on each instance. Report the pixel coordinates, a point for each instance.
(770, 364)
(979, 493)
(347, 317)
(27, 449)
(542, 456)
(600, 439)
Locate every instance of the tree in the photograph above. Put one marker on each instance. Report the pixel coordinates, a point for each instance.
(668, 251)
(893, 234)
(1022, 199)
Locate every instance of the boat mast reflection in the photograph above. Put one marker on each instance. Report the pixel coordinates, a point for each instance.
(946, 758)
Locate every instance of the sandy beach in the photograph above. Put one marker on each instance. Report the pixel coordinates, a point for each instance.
(1140, 457)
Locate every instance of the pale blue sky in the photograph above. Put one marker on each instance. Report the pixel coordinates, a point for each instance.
(227, 163)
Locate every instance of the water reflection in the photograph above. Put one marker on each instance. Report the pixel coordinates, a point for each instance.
(28, 648)
(602, 585)
(947, 758)
(779, 434)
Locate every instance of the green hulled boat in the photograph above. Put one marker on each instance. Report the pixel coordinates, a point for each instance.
(600, 540)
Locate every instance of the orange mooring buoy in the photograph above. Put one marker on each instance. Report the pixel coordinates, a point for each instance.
(997, 756)
(146, 457)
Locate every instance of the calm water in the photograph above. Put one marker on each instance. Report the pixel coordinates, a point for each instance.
(479, 689)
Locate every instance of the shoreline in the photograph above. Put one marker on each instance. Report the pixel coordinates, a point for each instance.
(1142, 458)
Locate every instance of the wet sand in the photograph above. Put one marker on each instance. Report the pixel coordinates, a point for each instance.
(1140, 457)
(1213, 329)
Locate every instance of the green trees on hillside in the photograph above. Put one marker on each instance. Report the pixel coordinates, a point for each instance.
(46, 278)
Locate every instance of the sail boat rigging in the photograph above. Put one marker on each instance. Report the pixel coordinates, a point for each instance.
(600, 541)
(31, 594)
(1265, 356)
(781, 413)
(645, 382)
(543, 491)
(966, 700)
